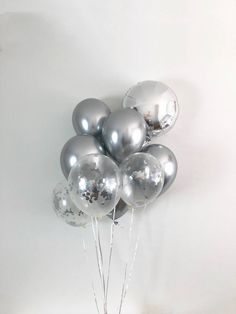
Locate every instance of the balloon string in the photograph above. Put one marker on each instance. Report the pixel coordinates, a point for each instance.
(110, 253)
(134, 255)
(96, 247)
(128, 260)
(127, 281)
(98, 255)
(92, 282)
(102, 265)
(132, 265)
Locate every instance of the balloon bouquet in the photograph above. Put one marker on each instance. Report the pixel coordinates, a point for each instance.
(110, 165)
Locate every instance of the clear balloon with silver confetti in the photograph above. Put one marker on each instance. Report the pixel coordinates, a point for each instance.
(66, 209)
(94, 184)
(167, 160)
(142, 179)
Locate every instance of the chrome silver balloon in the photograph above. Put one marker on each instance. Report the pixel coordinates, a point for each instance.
(120, 209)
(77, 147)
(89, 116)
(156, 102)
(142, 179)
(124, 133)
(94, 185)
(167, 160)
(66, 209)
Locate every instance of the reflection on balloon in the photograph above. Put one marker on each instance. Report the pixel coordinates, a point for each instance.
(156, 102)
(66, 209)
(124, 133)
(142, 179)
(167, 160)
(77, 147)
(94, 184)
(89, 116)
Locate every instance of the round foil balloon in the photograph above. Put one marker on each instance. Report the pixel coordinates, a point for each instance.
(124, 133)
(77, 147)
(94, 185)
(156, 102)
(66, 209)
(167, 160)
(89, 115)
(142, 179)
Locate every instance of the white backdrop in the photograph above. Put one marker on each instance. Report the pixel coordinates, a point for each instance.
(55, 53)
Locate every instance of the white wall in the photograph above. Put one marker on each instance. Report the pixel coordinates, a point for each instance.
(55, 53)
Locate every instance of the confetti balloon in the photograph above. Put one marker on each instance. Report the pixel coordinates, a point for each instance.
(94, 185)
(167, 160)
(66, 209)
(142, 179)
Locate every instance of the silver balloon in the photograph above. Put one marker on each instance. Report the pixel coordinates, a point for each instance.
(66, 209)
(142, 179)
(89, 116)
(120, 209)
(156, 102)
(167, 160)
(124, 133)
(77, 147)
(94, 185)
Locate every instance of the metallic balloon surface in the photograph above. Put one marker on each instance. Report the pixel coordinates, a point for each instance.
(89, 116)
(156, 102)
(66, 209)
(124, 133)
(167, 160)
(142, 179)
(120, 210)
(94, 185)
(77, 147)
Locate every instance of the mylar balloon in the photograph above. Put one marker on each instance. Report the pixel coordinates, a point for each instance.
(167, 160)
(94, 184)
(89, 115)
(77, 147)
(156, 102)
(66, 209)
(124, 133)
(142, 179)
